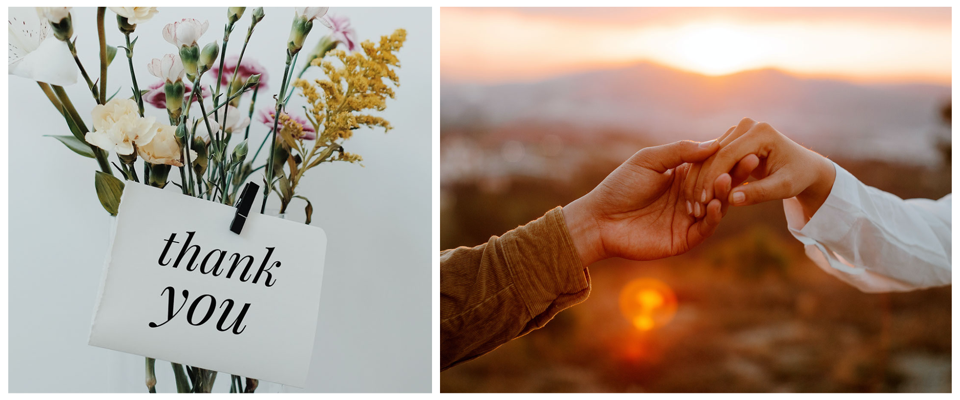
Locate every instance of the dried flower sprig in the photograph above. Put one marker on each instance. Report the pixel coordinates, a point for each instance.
(362, 81)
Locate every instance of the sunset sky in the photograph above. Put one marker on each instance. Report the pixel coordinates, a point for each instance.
(493, 45)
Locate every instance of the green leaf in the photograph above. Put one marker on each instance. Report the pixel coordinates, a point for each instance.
(134, 96)
(109, 190)
(111, 53)
(74, 128)
(72, 143)
(134, 43)
(114, 94)
(308, 209)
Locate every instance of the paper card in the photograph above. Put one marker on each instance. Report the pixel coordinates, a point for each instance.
(179, 286)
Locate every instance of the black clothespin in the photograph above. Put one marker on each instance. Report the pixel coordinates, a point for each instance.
(244, 203)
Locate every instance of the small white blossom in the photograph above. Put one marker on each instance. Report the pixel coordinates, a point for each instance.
(135, 15)
(185, 32)
(169, 68)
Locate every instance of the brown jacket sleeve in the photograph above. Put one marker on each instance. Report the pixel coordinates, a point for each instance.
(501, 290)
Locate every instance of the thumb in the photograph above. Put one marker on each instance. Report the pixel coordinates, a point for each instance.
(670, 156)
(769, 188)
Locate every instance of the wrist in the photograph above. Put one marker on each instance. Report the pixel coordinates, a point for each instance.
(817, 192)
(584, 231)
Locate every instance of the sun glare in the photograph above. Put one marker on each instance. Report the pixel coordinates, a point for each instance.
(648, 304)
(717, 50)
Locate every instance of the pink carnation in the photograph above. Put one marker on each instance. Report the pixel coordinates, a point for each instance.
(342, 31)
(158, 98)
(266, 117)
(248, 68)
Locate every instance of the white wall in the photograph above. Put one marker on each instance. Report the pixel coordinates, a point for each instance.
(374, 332)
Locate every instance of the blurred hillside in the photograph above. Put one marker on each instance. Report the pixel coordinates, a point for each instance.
(754, 313)
(836, 118)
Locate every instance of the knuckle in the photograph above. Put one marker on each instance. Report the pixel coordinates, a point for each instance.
(746, 121)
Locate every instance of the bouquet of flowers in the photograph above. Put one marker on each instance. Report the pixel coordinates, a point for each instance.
(204, 143)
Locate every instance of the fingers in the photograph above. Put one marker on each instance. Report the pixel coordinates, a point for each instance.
(690, 183)
(670, 156)
(756, 141)
(742, 171)
(722, 187)
(773, 187)
(705, 227)
(703, 187)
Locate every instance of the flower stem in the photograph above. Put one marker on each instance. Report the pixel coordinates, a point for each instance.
(133, 75)
(101, 11)
(151, 379)
(53, 97)
(210, 132)
(273, 137)
(223, 55)
(250, 116)
(90, 84)
(261, 146)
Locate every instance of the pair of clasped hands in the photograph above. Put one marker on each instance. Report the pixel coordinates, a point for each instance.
(665, 200)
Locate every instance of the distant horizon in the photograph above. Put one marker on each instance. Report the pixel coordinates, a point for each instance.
(618, 67)
(858, 45)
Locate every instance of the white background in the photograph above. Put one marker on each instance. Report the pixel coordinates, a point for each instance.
(374, 333)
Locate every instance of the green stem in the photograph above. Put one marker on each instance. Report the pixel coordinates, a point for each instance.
(90, 85)
(250, 116)
(223, 55)
(56, 103)
(209, 130)
(183, 386)
(273, 138)
(261, 146)
(183, 180)
(133, 75)
(151, 378)
(101, 11)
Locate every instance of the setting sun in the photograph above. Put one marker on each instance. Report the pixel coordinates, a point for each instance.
(717, 50)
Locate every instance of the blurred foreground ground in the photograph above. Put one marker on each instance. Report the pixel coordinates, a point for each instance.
(754, 314)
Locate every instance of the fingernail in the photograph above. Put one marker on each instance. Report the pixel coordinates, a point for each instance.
(703, 197)
(707, 143)
(689, 208)
(697, 207)
(739, 197)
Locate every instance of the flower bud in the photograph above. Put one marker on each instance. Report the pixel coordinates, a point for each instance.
(257, 15)
(240, 152)
(298, 33)
(208, 56)
(62, 29)
(189, 55)
(234, 13)
(125, 25)
(182, 134)
(252, 80)
(174, 97)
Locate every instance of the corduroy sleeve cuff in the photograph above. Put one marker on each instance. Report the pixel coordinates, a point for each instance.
(544, 262)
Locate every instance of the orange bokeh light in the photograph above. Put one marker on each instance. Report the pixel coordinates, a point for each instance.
(648, 303)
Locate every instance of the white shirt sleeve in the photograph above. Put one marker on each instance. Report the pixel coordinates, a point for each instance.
(874, 240)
